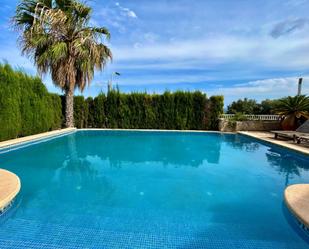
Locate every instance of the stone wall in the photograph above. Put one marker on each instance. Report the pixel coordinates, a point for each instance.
(251, 125)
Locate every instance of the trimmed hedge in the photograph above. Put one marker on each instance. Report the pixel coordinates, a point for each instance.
(214, 109)
(179, 110)
(26, 107)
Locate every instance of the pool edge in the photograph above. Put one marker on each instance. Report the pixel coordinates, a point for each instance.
(154, 130)
(28, 139)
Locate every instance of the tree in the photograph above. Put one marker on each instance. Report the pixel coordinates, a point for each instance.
(292, 109)
(268, 106)
(57, 36)
(245, 106)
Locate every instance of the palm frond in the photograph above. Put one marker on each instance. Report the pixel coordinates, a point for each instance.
(298, 106)
(56, 35)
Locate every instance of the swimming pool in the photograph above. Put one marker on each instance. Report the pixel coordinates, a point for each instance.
(132, 189)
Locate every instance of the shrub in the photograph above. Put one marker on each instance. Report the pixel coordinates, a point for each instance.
(239, 117)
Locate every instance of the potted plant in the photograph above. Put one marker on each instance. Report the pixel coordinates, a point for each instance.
(292, 109)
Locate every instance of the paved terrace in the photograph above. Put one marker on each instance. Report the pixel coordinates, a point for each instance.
(269, 137)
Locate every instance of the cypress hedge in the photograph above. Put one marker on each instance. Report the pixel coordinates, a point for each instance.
(26, 107)
(179, 110)
(214, 108)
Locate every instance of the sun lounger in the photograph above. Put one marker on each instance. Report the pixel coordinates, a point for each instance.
(285, 134)
(302, 137)
(301, 134)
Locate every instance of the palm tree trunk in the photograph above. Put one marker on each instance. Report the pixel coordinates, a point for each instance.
(69, 108)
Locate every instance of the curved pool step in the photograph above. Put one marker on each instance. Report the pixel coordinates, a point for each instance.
(9, 188)
(297, 200)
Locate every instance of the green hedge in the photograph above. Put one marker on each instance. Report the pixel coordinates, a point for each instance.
(26, 107)
(179, 110)
(214, 108)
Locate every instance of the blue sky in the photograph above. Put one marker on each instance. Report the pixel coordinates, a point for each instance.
(244, 48)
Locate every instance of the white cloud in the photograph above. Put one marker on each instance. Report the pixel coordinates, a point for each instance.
(126, 11)
(262, 89)
(131, 13)
(264, 51)
(114, 16)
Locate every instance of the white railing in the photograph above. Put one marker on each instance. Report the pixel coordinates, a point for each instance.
(253, 117)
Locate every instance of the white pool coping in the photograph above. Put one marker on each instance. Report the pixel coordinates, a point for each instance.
(18, 141)
(156, 130)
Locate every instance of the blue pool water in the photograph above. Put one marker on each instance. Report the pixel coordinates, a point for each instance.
(120, 189)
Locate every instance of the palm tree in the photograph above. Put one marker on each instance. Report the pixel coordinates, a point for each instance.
(57, 36)
(293, 108)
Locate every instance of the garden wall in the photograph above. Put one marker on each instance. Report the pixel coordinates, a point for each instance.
(250, 125)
